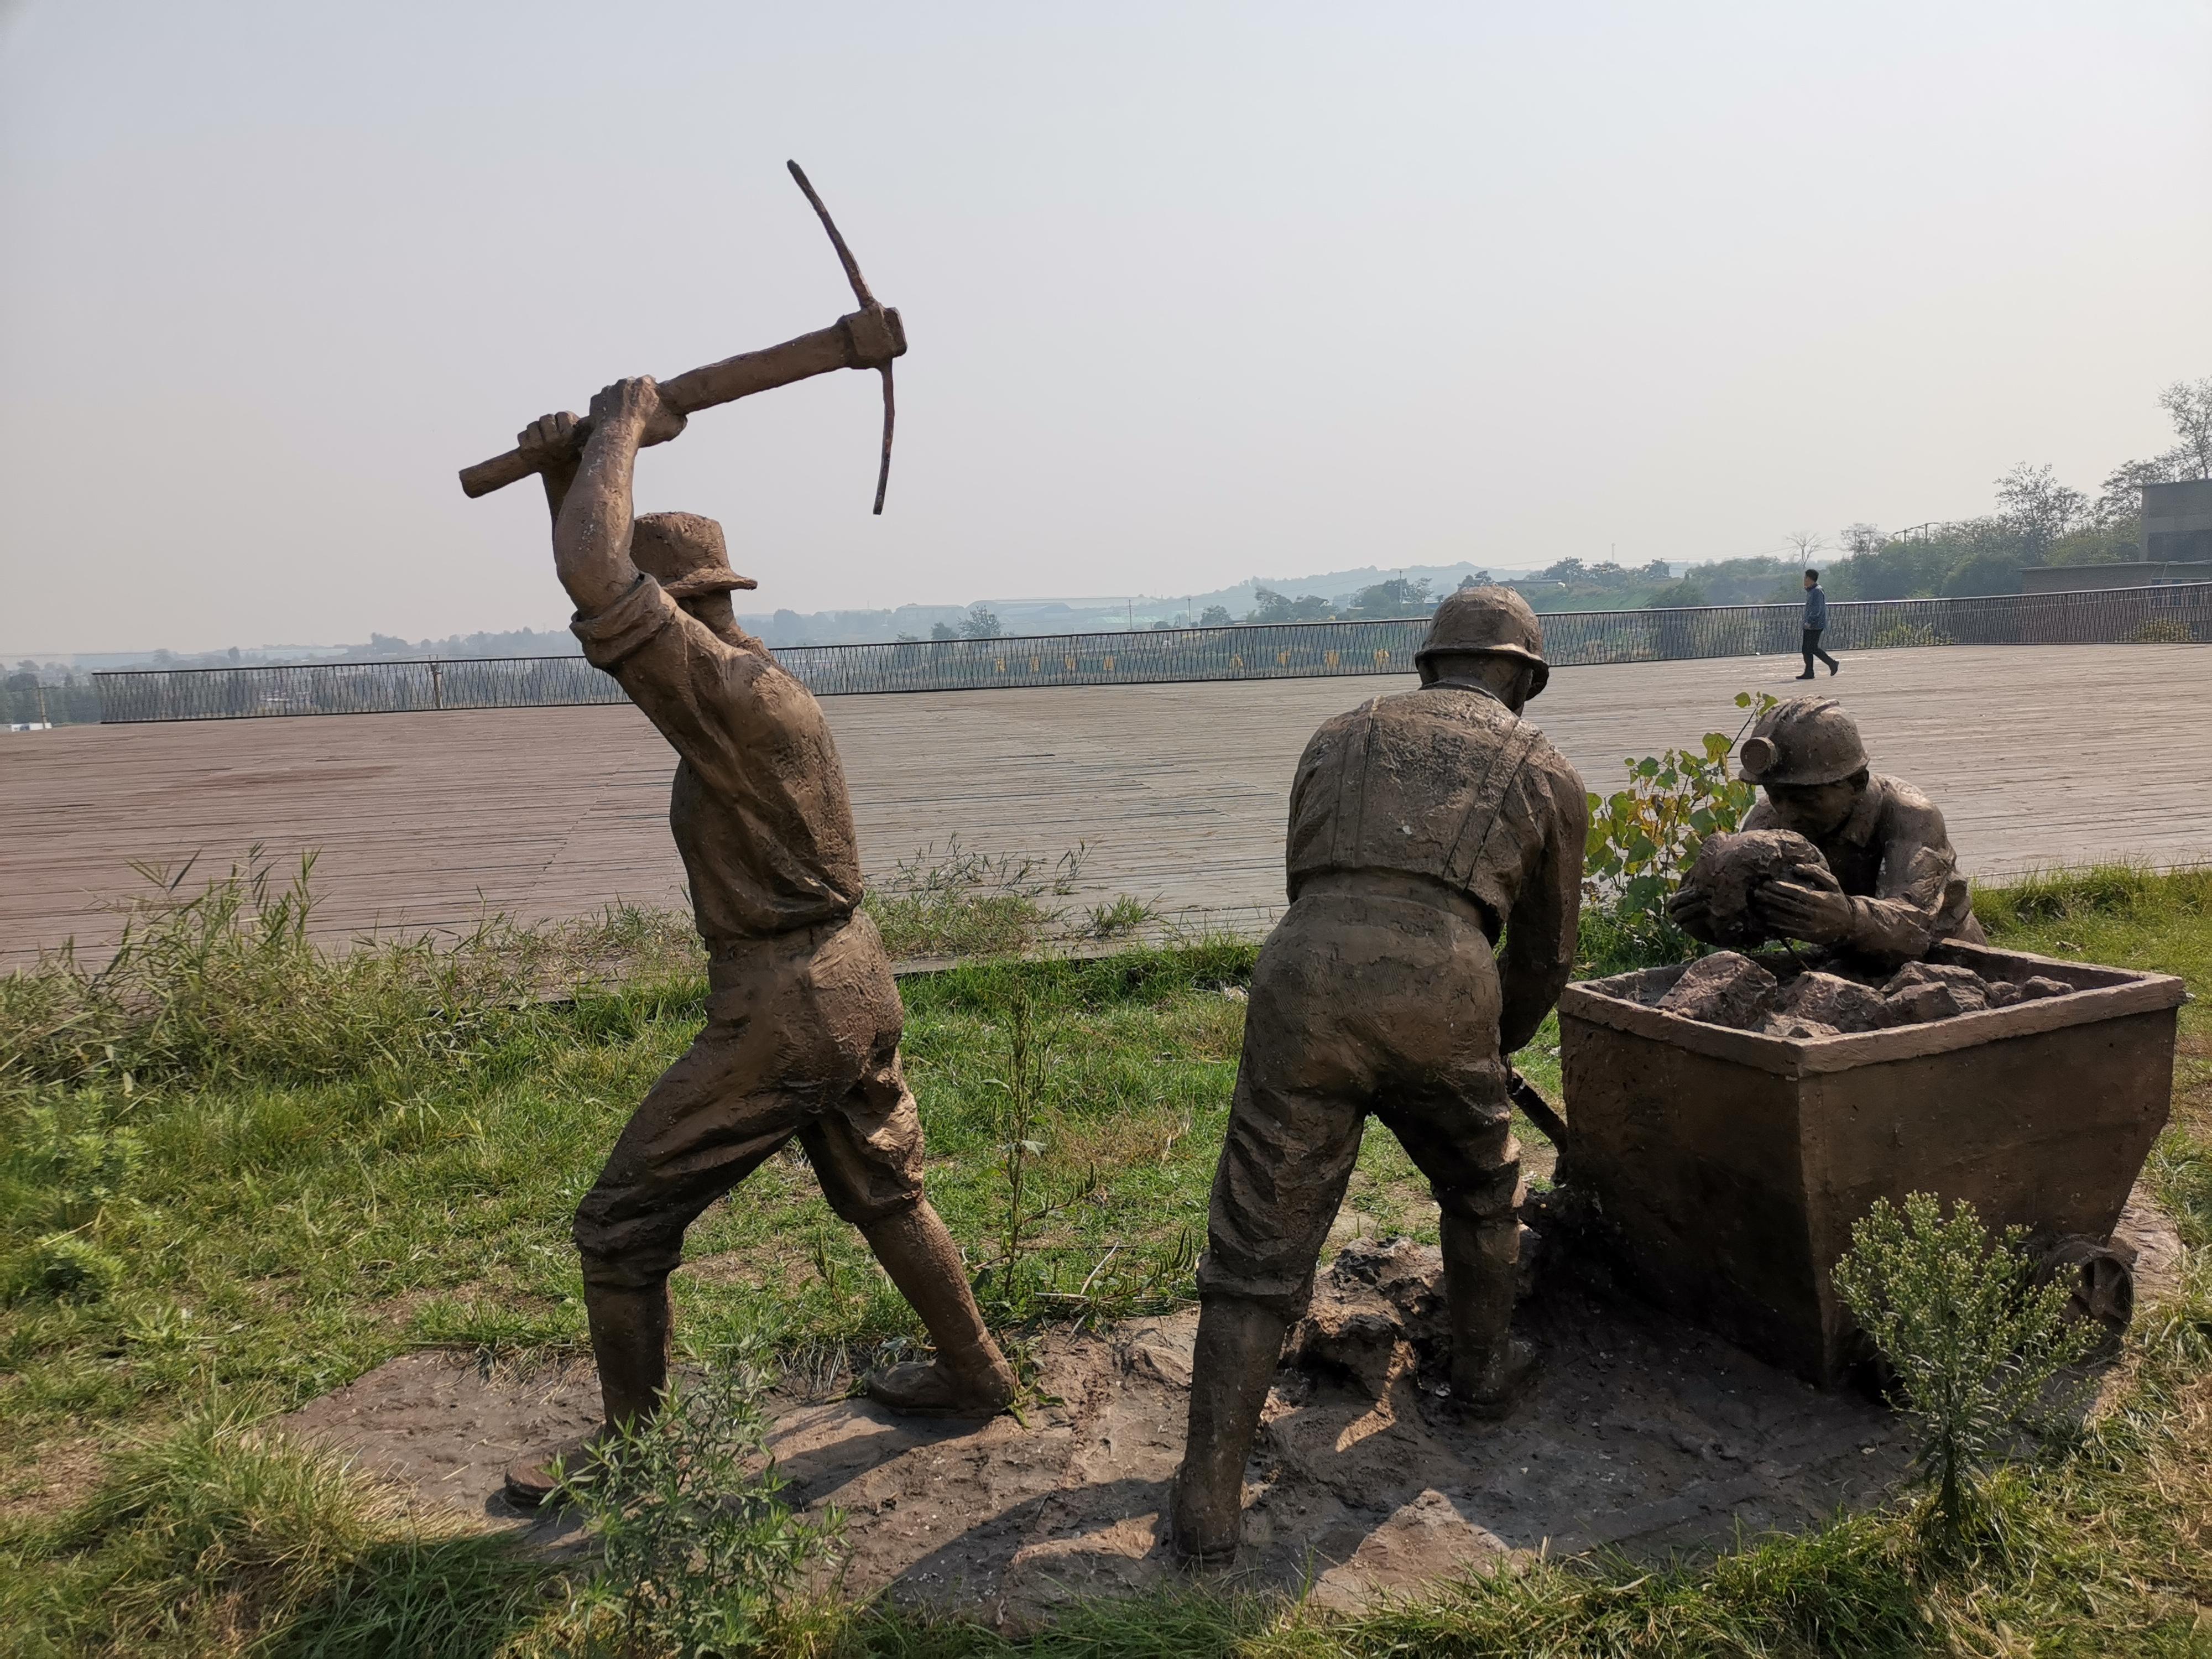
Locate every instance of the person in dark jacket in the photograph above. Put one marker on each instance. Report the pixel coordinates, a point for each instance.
(1816, 623)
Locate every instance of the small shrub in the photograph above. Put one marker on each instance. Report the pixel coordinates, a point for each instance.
(64, 1267)
(1642, 839)
(959, 903)
(697, 1545)
(1901, 635)
(1974, 1345)
(1118, 917)
(2161, 630)
(80, 1170)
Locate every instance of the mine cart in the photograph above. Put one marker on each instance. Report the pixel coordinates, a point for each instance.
(1730, 1166)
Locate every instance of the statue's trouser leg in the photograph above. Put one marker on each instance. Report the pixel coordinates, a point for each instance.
(1466, 1148)
(1232, 1369)
(801, 1040)
(971, 1377)
(631, 1330)
(1293, 1138)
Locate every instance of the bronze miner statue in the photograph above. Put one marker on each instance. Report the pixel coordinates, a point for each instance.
(1891, 885)
(804, 1020)
(1422, 826)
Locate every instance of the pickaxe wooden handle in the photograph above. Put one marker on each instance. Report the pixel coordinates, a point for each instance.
(867, 339)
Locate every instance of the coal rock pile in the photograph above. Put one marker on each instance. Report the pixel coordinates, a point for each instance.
(1728, 988)
(1730, 869)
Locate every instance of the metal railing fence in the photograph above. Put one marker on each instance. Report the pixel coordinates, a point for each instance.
(2180, 613)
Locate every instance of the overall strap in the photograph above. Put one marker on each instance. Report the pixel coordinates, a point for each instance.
(1482, 811)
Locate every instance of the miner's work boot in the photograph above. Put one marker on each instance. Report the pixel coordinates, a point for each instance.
(1490, 1370)
(970, 1377)
(630, 1335)
(1230, 1371)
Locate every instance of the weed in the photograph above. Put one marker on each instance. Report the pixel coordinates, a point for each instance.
(1973, 1344)
(962, 903)
(1643, 837)
(696, 1544)
(1118, 917)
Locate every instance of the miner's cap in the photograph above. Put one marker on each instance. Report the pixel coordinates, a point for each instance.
(685, 553)
(1495, 620)
(1804, 741)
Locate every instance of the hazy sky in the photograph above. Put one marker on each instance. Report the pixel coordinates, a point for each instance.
(1194, 292)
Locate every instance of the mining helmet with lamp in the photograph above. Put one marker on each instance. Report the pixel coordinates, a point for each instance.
(1493, 620)
(1803, 742)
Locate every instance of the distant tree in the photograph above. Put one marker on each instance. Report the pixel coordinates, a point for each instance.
(1395, 598)
(1569, 571)
(1478, 578)
(1861, 537)
(1808, 546)
(2119, 503)
(1686, 592)
(1657, 571)
(2038, 508)
(981, 622)
(943, 631)
(2190, 404)
(1270, 606)
(1215, 615)
(911, 639)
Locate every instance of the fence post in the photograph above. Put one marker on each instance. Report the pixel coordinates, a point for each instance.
(437, 686)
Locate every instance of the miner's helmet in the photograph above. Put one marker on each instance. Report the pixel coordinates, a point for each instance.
(1804, 741)
(685, 553)
(1495, 620)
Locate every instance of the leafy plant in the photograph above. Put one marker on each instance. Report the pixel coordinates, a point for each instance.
(2161, 630)
(64, 1267)
(1643, 837)
(960, 903)
(1117, 917)
(1898, 636)
(1026, 1203)
(1973, 1343)
(697, 1546)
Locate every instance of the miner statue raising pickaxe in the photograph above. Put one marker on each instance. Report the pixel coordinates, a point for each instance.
(803, 1017)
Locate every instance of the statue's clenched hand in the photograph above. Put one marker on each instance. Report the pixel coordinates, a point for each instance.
(1809, 909)
(549, 440)
(1691, 911)
(635, 404)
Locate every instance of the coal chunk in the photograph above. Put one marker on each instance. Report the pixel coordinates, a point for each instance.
(1729, 869)
(1725, 988)
(1829, 1000)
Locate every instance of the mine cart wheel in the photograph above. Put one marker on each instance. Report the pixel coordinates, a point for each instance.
(2101, 1278)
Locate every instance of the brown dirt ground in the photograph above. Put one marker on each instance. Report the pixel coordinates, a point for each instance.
(1643, 1435)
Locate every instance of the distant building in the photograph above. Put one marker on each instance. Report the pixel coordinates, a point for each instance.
(2176, 520)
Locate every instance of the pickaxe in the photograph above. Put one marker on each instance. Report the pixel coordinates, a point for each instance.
(867, 339)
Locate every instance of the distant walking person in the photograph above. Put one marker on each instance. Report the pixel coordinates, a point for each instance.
(1816, 623)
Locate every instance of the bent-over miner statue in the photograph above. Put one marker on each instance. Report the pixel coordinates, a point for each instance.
(1422, 826)
(1890, 888)
(803, 1019)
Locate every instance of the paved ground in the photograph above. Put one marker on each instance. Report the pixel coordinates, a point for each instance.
(2038, 756)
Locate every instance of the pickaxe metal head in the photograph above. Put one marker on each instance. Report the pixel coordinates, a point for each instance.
(868, 304)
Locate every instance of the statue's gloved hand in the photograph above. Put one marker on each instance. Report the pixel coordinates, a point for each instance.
(549, 440)
(1691, 911)
(1813, 908)
(636, 402)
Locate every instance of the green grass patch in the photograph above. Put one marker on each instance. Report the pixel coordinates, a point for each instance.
(235, 1173)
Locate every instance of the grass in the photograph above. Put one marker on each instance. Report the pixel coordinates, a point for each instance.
(298, 1166)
